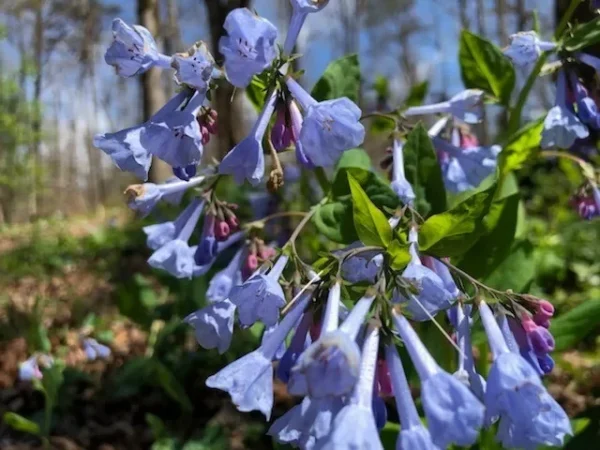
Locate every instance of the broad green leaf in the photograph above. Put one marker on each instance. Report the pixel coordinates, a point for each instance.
(341, 79)
(354, 158)
(483, 66)
(165, 379)
(416, 95)
(398, 253)
(423, 172)
(516, 271)
(572, 327)
(256, 92)
(370, 223)
(20, 423)
(583, 35)
(521, 148)
(453, 232)
(334, 221)
(52, 382)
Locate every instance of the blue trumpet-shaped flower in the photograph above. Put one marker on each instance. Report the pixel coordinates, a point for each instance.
(222, 282)
(301, 8)
(561, 126)
(413, 434)
(249, 47)
(466, 106)
(195, 67)
(261, 297)
(249, 380)
(525, 48)
(400, 184)
(176, 256)
(297, 346)
(133, 50)
(208, 246)
(93, 349)
(587, 110)
(213, 325)
(144, 197)
(363, 266)
(329, 128)
(454, 415)
(30, 369)
(529, 416)
(354, 426)
(330, 365)
(246, 160)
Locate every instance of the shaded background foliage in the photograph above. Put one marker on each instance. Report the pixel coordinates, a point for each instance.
(71, 260)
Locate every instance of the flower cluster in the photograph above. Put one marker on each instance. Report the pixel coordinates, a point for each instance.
(332, 330)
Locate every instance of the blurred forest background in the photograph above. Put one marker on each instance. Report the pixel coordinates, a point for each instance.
(72, 258)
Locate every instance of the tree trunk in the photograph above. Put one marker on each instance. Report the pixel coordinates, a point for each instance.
(36, 125)
(217, 12)
(462, 14)
(152, 91)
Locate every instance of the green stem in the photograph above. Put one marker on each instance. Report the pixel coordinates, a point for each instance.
(515, 116)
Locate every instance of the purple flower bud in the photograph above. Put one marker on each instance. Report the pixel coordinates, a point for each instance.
(546, 363)
(541, 340)
(588, 204)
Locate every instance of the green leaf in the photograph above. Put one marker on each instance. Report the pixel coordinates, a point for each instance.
(354, 158)
(399, 255)
(256, 92)
(165, 379)
(483, 66)
(389, 435)
(453, 232)
(516, 271)
(423, 172)
(334, 220)
(521, 148)
(583, 35)
(417, 94)
(571, 328)
(370, 223)
(52, 381)
(341, 79)
(20, 423)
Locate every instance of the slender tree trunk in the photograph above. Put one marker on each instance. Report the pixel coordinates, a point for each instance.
(502, 26)
(462, 14)
(481, 26)
(152, 91)
(172, 40)
(36, 126)
(217, 12)
(522, 15)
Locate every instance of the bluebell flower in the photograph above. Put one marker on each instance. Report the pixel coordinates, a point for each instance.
(308, 424)
(587, 110)
(194, 68)
(354, 426)
(465, 169)
(207, 248)
(525, 347)
(249, 380)
(529, 415)
(466, 106)
(297, 346)
(222, 282)
(234, 238)
(400, 184)
(454, 415)
(561, 126)
(330, 365)
(281, 349)
(588, 204)
(261, 297)
(133, 50)
(128, 148)
(93, 349)
(213, 325)
(379, 411)
(249, 47)
(301, 8)
(363, 266)
(160, 234)
(176, 256)
(175, 138)
(590, 60)
(526, 47)
(329, 127)
(246, 160)
(467, 372)
(413, 435)
(443, 272)
(432, 296)
(30, 370)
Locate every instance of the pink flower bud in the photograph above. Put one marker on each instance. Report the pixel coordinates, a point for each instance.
(222, 230)
(541, 321)
(383, 379)
(468, 140)
(250, 266)
(266, 252)
(205, 134)
(233, 222)
(545, 308)
(528, 324)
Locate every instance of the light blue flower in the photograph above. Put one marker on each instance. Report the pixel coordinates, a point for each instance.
(529, 415)
(400, 184)
(525, 48)
(297, 346)
(330, 365)
(249, 47)
(213, 325)
(590, 60)
(361, 267)
(195, 67)
(207, 248)
(93, 349)
(261, 297)
(454, 415)
(176, 256)
(249, 380)
(329, 128)
(222, 282)
(281, 349)
(432, 296)
(133, 50)
(466, 106)
(561, 126)
(301, 8)
(246, 160)
(29, 369)
(587, 110)
(354, 426)
(465, 169)
(413, 435)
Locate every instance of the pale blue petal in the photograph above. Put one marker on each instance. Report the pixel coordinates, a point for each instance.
(213, 325)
